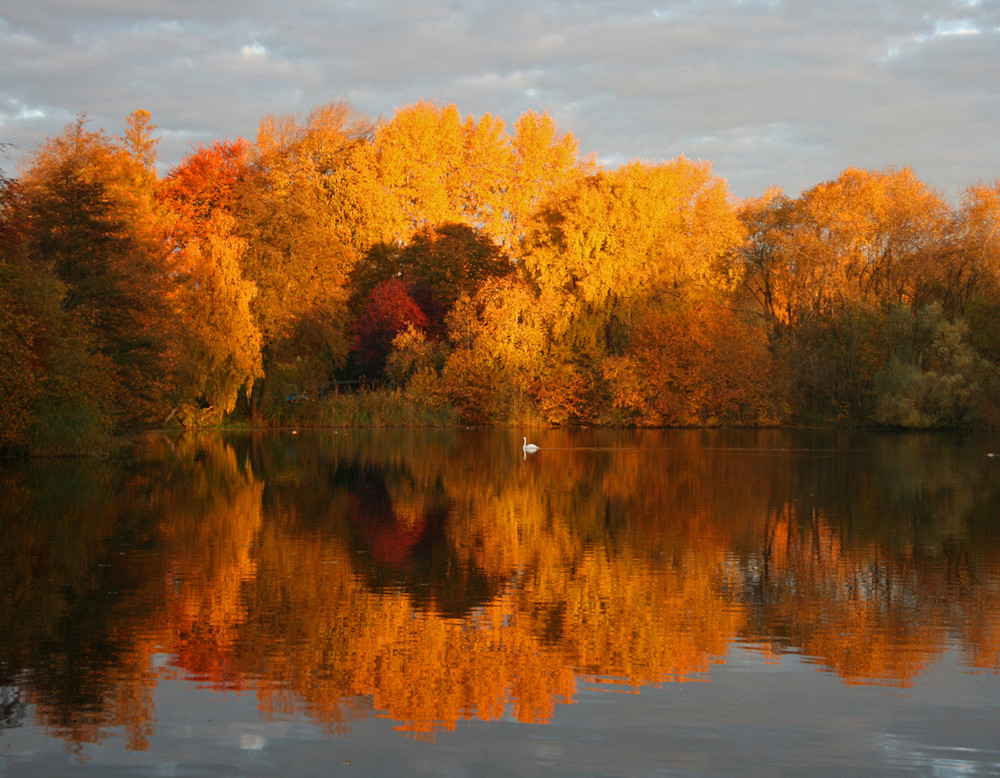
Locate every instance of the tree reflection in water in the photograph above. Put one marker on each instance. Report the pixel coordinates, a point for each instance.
(434, 576)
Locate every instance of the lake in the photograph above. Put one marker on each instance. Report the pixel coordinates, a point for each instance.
(378, 602)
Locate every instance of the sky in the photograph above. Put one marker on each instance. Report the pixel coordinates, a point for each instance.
(773, 93)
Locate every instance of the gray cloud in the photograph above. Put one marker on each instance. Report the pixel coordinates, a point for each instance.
(783, 93)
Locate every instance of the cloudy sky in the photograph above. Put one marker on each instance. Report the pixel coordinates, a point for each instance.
(782, 93)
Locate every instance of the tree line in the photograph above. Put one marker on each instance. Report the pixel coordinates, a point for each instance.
(480, 274)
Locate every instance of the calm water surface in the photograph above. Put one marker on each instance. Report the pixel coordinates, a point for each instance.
(368, 603)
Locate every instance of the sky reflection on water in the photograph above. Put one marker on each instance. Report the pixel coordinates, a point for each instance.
(436, 603)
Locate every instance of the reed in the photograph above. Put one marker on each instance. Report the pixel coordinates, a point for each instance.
(381, 408)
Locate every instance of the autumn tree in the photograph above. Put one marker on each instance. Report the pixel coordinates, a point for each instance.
(94, 221)
(695, 365)
(437, 265)
(208, 179)
(416, 157)
(414, 365)
(300, 247)
(765, 273)
(634, 234)
(388, 311)
(866, 237)
(57, 386)
(624, 243)
(431, 167)
(825, 271)
(20, 359)
(972, 269)
(428, 166)
(446, 262)
(500, 346)
(484, 174)
(221, 343)
(977, 236)
(546, 164)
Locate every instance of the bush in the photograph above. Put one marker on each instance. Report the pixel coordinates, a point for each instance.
(935, 379)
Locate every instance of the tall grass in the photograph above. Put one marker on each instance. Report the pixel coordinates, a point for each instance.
(381, 408)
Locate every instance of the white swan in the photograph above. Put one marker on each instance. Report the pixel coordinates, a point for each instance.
(529, 447)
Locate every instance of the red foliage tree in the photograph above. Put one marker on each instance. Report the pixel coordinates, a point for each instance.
(389, 310)
(208, 178)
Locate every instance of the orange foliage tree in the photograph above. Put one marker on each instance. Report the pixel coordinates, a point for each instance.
(619, 248)
(690, 366)
(865, 237)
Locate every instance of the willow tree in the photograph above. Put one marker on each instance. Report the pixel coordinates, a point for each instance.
(220, 356)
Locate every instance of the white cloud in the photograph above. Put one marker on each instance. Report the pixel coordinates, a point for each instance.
(253, 51)
(955, 27)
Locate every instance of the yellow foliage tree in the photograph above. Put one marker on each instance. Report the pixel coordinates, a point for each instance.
(640, 231)
(622, 244)
(298, 212)
(427, 166)
(499, 340)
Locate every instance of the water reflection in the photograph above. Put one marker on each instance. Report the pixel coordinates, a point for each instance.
(431, 577)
